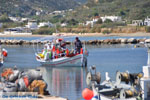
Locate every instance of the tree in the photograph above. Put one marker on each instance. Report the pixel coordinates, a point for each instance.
(99, 21)
(72, 22)
(108, 21)
(4, 18)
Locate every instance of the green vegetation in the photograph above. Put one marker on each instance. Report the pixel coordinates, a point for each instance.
(127, 9)
(147, 29)
(112, 25)
(4, 18)
(44, 31)
(29, 7)
(106, 32)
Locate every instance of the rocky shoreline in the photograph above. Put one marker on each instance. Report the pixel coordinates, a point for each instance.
(90, 42)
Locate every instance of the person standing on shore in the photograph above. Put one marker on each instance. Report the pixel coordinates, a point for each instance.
(78, 45)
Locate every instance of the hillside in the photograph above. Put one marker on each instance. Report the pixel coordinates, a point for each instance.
(29, 7)
(128, 9)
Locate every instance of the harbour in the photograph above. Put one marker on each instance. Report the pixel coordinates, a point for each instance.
(75, 49)
(107, 58)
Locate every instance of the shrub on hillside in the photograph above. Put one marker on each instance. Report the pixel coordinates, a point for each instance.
(4, 18)
(44, 31)
(147, 29)
(106, 32)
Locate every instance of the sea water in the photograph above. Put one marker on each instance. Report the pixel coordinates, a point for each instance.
(70, 81)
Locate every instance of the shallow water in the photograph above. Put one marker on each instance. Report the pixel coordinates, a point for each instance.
(70, 81)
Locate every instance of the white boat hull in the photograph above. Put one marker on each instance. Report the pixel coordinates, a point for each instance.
(77, 60)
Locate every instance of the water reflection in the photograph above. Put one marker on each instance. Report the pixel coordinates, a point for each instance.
(64, 81)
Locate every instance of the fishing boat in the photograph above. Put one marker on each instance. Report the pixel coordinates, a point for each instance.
(55, 53)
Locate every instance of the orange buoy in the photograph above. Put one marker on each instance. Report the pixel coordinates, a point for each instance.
(4, 53)
(87, 94)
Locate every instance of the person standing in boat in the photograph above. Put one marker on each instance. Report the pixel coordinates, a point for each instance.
(78, 45)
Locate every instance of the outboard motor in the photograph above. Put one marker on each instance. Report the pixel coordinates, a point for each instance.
(93, 76)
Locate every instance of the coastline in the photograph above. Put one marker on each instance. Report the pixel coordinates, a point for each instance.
(84, 34)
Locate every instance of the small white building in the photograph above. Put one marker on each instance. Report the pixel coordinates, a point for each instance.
(82, 24)
(24, 19)
(15, 19)
(63, 24)
(32, 24)
(94, 20)
(38, 13)
(42, 24)
(89, 23)
(112, 18)
(137, 23)
(1, 24)
(147, 21)
(57, 12)
(17, 31)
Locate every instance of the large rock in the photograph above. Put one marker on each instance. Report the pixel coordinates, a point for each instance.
(147, 40)
(107, 41)
(132, 40)
(141, 40)
(123, 40)
(113, 41)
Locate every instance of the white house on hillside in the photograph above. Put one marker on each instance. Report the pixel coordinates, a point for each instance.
(112, 18)
(42, 24)
(90, 23)
(94, 20)
(24, 19)
(15, 19)
(147, 21)
(137, 23)
(32, 25)
(63, 24)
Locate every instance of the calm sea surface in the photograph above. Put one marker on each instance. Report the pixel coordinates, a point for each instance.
(70, 81)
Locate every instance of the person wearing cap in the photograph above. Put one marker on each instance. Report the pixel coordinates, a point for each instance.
(78, 45)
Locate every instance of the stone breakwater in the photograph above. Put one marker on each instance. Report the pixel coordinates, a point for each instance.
(89, 42)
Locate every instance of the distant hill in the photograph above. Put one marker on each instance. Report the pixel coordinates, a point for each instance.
(128, 9)
(29, 7)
